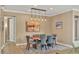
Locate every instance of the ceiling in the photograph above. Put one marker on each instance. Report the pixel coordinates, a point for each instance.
(51, 9)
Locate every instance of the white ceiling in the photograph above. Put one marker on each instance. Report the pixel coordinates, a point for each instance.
(56, 8)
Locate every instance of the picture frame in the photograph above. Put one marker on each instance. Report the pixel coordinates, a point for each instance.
(59, 24)
(32, 26)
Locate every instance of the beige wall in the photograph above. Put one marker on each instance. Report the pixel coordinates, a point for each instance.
(64, 35)
(1, 32)
(0, 29)
(20, 26)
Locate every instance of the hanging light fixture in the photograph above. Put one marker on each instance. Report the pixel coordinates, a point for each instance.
(38, 14)
(31, 15)
(45, 15)
(42, 16)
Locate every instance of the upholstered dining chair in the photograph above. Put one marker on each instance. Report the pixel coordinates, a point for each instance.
(55, 38)
(50, 41)
(43, 39)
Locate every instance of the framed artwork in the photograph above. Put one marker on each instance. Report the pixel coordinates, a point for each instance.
(59, 24)
(32, 26)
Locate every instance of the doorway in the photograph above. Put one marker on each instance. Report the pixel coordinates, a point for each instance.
(9, 28)
(76, 31)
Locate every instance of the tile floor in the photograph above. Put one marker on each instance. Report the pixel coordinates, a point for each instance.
(57, 49)
(44, 51)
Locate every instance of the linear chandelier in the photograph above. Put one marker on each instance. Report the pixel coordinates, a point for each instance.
(38, 14)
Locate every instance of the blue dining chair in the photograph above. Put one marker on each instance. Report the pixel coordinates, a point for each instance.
(50, 41)
(55, 38)
(43, 38)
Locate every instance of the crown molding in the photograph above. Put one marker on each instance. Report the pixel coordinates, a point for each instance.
(22, 12)
(75, 10)
(62, 12)
(14, 11)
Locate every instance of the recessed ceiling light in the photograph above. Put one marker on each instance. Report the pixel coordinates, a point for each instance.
(51, 8)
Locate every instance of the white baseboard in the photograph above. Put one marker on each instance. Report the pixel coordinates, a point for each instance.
(18, 44)
(67, 45)
(2, 47)
(76, 43)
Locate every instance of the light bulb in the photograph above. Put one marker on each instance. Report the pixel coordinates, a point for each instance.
(42, 19)
(45, 19)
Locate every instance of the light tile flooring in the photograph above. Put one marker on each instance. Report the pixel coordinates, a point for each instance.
(44, 51)
(11, 48)
(57, 49)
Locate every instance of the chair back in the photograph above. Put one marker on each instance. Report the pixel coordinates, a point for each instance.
(54, 37)
(49, 39)
(43, 38)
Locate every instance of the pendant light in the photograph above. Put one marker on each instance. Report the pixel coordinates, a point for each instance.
(45, 16)
(38, 14)
(31, 15)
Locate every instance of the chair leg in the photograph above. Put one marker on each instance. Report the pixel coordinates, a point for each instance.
(41, 47)
(54, 42)
(45, 47)
(48, 47)
(52, 45)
